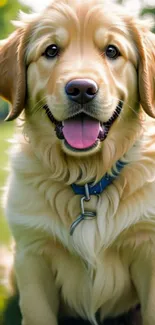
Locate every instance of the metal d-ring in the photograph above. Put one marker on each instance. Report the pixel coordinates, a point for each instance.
(87, 194)
(85, 215)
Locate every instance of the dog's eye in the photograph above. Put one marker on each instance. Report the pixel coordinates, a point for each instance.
(52, 51)
(112, 52)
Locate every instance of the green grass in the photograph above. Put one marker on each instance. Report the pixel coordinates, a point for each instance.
(6, 131)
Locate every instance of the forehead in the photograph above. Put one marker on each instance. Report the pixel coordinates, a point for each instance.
(69, 21)
(79, 16)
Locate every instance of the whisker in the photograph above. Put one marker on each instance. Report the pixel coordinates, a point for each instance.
(133, 110)
(140, 118)
(39, 104)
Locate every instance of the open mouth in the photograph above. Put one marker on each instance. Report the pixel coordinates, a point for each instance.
(83, 132)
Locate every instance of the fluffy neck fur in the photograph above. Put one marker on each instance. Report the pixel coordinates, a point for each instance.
(57, 171)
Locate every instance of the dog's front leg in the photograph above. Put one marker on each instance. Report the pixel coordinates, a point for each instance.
(38, 294)
(143, 277)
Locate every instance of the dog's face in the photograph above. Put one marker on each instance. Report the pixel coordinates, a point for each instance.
(83, 64)
(87, 70)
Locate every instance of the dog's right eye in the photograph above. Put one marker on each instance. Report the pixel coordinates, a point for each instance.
(52, 51)
(112, 52)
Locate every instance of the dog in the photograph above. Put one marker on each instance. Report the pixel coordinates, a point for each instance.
(80, 195)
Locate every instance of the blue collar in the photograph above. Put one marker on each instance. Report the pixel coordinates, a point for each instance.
(99, 187)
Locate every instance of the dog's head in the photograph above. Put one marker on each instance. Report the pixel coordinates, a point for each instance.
(81, 68)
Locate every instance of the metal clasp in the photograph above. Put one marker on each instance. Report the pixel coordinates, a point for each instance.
(85, 215)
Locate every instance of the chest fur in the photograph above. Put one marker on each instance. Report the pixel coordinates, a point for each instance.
(85, 288)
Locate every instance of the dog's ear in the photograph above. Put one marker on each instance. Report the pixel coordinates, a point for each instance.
(12, 72)
(145, 44)
(146, 47)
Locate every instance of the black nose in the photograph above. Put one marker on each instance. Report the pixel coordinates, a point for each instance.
(81, 91)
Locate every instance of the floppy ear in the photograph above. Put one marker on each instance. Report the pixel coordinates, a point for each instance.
(147, 74)
(12, 72)
(145, 42)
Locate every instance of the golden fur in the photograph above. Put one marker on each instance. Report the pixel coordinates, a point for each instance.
(109, 262)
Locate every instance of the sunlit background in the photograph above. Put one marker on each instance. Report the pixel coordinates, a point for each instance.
(133, 5)
(9, 11)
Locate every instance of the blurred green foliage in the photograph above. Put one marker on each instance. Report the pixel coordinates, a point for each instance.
(149, 11)
(8, 11)
(146, 10)
(6, 131)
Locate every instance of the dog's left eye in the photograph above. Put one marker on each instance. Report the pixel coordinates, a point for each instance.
(52, 51)
(112, 52)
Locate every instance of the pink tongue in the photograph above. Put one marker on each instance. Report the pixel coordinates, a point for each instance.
(81, 132)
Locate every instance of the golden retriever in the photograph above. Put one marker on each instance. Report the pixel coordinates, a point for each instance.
(84, 73)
